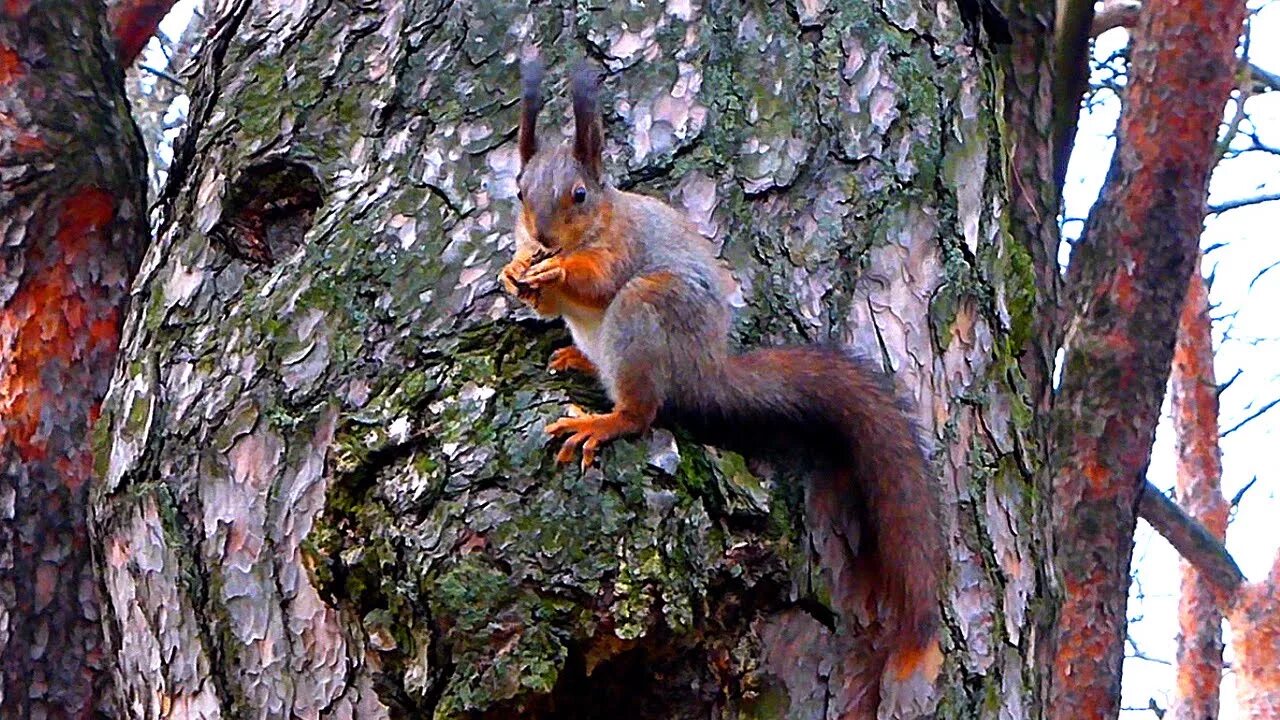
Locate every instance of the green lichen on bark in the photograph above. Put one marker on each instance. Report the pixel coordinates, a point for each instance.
(523, 563)
(352, 434)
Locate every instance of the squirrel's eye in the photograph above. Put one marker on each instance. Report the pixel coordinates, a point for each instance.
(579, 194)
(520, 195)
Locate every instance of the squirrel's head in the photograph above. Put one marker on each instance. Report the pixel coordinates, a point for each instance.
(563, 194)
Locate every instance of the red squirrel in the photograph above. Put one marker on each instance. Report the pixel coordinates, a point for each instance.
(644, 298)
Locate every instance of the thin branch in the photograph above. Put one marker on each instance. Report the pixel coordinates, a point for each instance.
(1251, 418)
(1224, 386)
(1262, 272)
(1150, 658)
(1243, 202)
(163, 76)
(1196, 544)
(1263, 80)
(1235, 500)
(1242, 94)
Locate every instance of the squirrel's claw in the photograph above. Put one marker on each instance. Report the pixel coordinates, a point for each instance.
(589, 432)
(511, 275)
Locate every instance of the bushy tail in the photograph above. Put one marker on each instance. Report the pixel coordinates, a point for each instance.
(820, 400)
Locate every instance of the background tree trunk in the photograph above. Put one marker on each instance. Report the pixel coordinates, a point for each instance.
(72, 230)
(326, 491)
(1193, 403)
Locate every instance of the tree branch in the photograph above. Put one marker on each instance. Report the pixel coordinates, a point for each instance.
(1243, 202)
(1262, 78)
(1235, 499)
(1070, 78)
(1114, 14)
(1192, 541)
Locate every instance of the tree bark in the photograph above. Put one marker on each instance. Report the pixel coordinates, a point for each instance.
(1255, 643)
(73, 223)
(326, 490)
(1194, 402)
(1127, 282)
(133, 22)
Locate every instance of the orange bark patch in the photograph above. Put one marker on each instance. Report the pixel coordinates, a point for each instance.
(1255, 640)
(10, 65)
(16, 9)
(1099, 477)
(1083, 655)
(1123, 291)
(28, 142)
(46, 325)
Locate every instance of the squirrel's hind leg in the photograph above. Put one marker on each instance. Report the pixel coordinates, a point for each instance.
(590, 431)
(634, 368)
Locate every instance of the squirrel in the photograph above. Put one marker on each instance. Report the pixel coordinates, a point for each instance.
(645, 300)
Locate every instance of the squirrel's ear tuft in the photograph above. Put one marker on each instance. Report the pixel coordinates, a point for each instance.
(531, 70)
(588, 131)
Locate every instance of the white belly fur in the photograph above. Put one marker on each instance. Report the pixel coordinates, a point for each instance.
(584, 324)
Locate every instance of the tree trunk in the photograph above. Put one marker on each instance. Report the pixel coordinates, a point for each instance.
(1127, 284)
(1194, 405)
(326, 489)
(72, 230)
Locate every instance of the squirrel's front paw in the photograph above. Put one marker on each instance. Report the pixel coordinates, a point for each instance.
(511, 274)
(512, 277)
(541, 274)
(570, 358)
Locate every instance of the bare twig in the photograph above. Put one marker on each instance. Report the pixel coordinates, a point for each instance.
(163, 76)
(1262, 272)
(1254, 416)
(1263, 80)
(1241, 95)
(1224, 386)
(1235, 500)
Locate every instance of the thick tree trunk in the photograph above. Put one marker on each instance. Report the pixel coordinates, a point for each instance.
(72, 230)
(326, 489)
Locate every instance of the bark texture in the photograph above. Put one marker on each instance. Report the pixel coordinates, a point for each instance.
(72, 230)
(326, 489)
(1127, 281)
(1255, 643)
(1194, 402)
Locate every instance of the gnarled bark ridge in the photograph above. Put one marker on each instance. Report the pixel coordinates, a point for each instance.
(327, 492)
